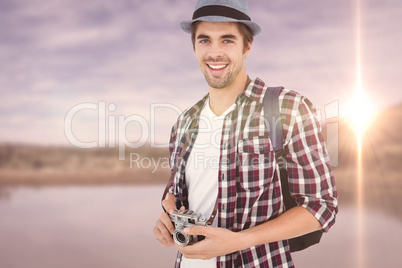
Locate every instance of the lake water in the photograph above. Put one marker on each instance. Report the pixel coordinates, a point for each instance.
(105, 226)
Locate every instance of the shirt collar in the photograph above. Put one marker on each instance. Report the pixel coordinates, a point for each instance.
(195, 110)
(255, 90)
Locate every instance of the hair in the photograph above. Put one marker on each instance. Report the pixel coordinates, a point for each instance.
(244, 30)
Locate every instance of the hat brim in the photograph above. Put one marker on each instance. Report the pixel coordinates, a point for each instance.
(186, 25)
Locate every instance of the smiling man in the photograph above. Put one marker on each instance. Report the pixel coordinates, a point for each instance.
(225, 161)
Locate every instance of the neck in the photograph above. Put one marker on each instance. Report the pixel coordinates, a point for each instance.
(221, 99)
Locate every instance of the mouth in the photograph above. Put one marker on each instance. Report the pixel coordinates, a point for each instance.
(217, 67)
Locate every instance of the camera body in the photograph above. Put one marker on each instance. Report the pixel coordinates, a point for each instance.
(186, 218)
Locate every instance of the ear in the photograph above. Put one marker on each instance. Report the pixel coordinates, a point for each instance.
(248, 50)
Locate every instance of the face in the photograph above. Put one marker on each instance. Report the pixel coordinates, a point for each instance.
(220, 52)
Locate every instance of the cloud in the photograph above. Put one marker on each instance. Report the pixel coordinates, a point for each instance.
(56, 54)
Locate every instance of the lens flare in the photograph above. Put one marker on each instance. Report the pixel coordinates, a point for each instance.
(360, 111)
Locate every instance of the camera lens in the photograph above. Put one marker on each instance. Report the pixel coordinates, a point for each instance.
(180, 238)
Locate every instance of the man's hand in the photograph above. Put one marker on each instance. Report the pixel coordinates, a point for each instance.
(217, 242)
(164, 228)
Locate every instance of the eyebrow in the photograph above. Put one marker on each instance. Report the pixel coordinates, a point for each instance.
(226, 36)
(203, 36)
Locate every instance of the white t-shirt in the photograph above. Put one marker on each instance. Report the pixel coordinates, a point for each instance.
(202, 172)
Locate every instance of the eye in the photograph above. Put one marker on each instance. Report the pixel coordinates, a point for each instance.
(227, 41)
(204, 41)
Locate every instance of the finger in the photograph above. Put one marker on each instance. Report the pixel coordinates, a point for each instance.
(169, 204)
(196, 230)
(162, 234)
(165, 219)
(165, 243)
(160, 239)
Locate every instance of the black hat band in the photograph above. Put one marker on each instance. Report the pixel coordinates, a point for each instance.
(223, 11)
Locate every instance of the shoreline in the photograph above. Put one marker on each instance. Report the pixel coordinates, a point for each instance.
(48, 178)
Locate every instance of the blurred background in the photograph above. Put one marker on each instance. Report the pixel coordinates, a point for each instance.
(89, 91)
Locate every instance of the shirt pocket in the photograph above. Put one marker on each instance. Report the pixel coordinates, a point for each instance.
(255, 163)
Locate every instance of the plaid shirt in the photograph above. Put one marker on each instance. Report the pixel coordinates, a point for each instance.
(249, 187)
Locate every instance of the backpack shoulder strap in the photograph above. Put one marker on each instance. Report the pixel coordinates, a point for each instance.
(275, 131)
(273, 117)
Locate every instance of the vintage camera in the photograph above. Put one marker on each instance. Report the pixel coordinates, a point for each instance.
(186, 218)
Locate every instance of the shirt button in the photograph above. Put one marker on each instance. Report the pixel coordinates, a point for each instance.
(223, 177)
(223, 207)
(261, 148)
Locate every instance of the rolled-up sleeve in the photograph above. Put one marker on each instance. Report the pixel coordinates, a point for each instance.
(311, 180)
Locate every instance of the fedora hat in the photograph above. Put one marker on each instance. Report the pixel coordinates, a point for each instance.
(221, 11)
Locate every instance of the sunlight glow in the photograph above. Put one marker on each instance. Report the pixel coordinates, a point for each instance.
(360, 111)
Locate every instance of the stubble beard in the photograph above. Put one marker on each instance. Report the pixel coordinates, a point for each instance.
(219, 83)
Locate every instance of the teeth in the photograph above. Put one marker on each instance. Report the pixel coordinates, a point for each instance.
(217, 67)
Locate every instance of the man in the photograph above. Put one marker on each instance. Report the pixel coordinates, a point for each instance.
(230, 161)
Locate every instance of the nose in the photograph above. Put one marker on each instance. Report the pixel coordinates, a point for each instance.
(215, 51)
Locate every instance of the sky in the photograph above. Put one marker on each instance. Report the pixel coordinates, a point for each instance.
(88, 73)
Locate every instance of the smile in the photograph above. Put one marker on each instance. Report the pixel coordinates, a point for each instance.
(217, 67)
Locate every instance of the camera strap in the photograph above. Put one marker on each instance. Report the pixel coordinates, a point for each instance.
(173, 174)
(174, 171)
